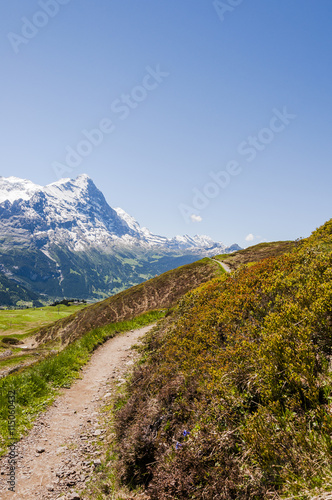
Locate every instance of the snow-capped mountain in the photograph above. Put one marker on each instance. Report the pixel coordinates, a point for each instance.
(64, 239)
(75, 212)
(13, 188)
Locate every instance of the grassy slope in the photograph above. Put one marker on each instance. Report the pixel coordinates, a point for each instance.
(13, 293)
(21, 324)
(243, 366)
(18, 322)
(157, 293)
(256, 253)
(37, 385)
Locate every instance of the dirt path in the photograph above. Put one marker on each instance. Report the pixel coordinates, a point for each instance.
(51, 458)
(222, 264)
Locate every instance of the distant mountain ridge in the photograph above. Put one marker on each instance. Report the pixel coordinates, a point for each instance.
(64, 239)
(79, 208)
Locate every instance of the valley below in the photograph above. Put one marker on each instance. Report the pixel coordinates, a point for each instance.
(64, 240)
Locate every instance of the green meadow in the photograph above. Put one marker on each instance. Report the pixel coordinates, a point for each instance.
(20, 322)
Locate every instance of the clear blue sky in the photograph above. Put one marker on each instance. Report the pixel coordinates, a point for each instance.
(224, 76)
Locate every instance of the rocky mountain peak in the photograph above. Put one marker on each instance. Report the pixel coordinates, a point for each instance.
(64, 239)
(75, 212)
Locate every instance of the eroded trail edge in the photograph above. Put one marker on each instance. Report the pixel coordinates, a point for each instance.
(49, 459)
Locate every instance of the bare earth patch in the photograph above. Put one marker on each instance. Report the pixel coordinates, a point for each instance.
(52, 458)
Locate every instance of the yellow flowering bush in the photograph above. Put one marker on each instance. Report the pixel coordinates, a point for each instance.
(243, 366)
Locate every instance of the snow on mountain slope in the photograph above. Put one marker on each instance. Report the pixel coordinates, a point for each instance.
(141, 233)
(75, 213)
(13, 188)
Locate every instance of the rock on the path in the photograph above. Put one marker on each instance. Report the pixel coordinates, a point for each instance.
(40, 450)
(71, 482)
(73, 496)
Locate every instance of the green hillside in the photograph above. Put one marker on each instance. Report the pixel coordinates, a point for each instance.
(24, 321)
(41, 333)
(160, 292)
(57, 351)
(14, 294)
(256, 253)
(234, 400)
(92, 274)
